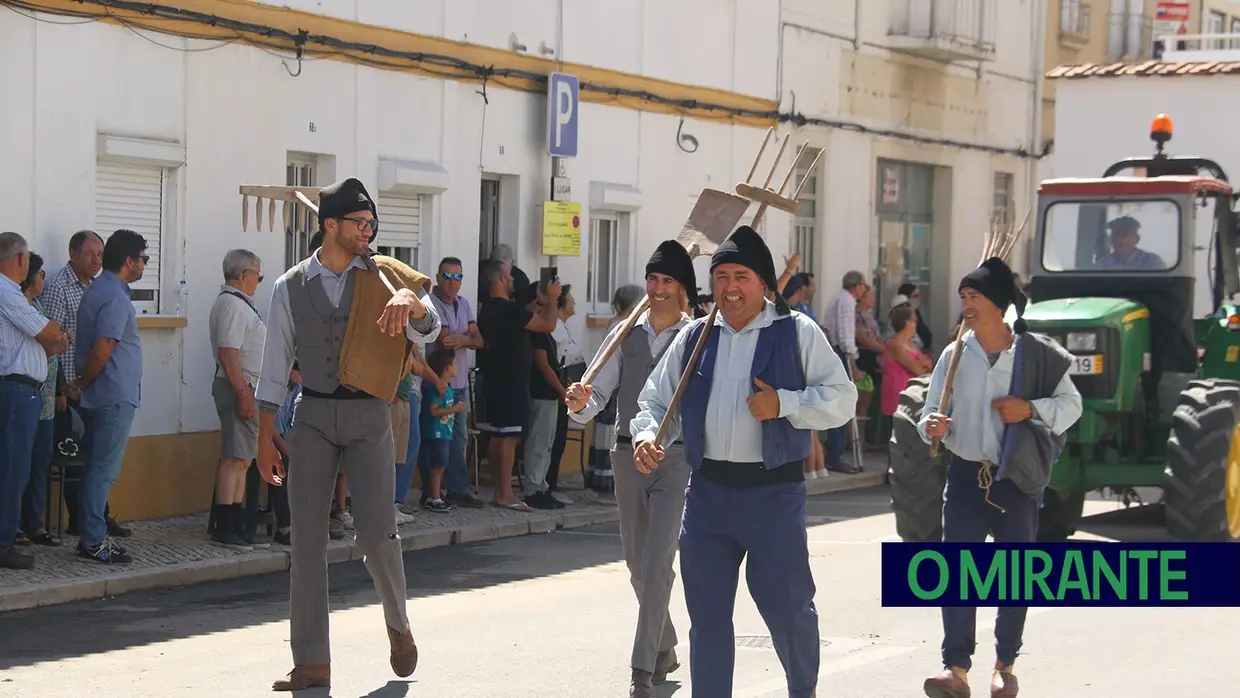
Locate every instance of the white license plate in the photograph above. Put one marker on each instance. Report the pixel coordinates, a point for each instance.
(1086, 365)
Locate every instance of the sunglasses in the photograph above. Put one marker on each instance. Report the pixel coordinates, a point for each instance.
(452, 275)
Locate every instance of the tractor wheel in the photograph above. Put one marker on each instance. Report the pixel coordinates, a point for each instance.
(1195, 481)
(1059, 516)
(916, 478)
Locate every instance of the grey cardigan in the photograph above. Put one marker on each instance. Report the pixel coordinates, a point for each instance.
(1030, 447)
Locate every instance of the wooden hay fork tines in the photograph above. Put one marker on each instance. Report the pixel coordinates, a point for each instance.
(1000, 240)
(712, 220)
(765, 197)
(290, 197)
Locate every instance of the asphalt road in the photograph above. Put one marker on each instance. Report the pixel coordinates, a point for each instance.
(551, 616)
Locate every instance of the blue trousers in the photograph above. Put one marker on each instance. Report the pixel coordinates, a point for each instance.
(34, 501)
(107, 434)
(20, 406)
(968, 518)
(720, 527)
(404, 468)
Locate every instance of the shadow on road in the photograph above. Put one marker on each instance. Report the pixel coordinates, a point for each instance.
(142, 618)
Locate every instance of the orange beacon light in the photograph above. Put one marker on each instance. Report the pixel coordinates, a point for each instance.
(1160, 129)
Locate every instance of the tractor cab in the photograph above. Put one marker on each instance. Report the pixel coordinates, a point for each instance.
(1121, 256)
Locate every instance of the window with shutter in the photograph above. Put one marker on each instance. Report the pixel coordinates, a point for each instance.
(805, 223)
(400, 228)
(132, 197)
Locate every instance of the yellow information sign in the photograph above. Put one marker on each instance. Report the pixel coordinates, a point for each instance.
(561, 233)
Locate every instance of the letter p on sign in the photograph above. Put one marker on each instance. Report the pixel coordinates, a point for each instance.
(562, 115)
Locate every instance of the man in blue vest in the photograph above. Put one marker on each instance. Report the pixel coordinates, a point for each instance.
(650, 502)
(766, 378)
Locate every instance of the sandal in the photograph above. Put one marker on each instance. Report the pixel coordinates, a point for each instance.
(515, 506)
(45, 538)
(21, 538)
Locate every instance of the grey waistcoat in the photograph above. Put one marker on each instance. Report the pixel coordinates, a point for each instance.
(636, 363)
(318, 328)
(1030, 449)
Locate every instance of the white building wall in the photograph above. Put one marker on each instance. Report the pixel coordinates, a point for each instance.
(837, 64)
(238, 114)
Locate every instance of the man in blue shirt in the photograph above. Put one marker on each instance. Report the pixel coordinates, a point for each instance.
(26, 340)
(110, 380)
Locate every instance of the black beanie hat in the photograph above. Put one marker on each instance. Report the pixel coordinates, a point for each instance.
(994, 280)
(344, 197)
(672, 259)
(747, 248)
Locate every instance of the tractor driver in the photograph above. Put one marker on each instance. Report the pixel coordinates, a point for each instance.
(1124, 251)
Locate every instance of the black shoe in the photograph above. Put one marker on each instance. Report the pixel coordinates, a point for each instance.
(464, 500)
(116, 530)
(105, 551)
(541, 500)
(438, 506)
(15, 559)
(282, 538)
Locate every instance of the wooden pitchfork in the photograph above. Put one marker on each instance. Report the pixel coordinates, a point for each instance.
(765, 198)
(711, 221)
(999, 242)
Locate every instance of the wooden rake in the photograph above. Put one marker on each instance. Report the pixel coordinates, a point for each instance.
(766, 198)
(290, 198)
(1000, 240)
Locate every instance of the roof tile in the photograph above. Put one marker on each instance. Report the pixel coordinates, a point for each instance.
(1144, 69)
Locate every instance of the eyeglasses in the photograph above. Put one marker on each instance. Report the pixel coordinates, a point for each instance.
(146, 259)
(364, 223)
(451, 275)
(260, 276)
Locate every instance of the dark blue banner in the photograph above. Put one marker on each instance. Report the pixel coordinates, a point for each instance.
(1076, 573)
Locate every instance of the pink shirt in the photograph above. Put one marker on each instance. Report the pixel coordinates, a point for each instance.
(895, 377)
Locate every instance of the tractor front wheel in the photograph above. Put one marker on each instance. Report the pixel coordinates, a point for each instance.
(1059, 516)
(916, 477)
(1195, 480)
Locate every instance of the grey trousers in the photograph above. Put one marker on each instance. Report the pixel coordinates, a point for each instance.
(651, 506)
(354, 436)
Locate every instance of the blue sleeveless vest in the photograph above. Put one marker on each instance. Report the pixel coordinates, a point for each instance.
(777, 362)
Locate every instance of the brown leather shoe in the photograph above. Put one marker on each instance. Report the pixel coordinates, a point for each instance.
(640, 686)
(404, 652)
(1003, 683)
(952, 683)
(303, 677)
(665, 664)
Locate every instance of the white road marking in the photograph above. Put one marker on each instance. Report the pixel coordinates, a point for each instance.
(855, 660)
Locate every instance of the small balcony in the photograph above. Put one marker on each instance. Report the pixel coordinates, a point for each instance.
(947, 31)
(1197, 48)
(1074, 24)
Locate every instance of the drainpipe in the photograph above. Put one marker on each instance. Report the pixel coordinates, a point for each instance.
(1035, 139)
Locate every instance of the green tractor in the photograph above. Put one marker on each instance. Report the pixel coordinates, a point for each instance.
(1113, 280)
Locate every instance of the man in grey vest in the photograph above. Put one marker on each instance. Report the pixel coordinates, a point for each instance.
(340, 426)
(650, 503)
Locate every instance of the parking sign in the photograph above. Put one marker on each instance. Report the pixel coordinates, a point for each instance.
(562, 115)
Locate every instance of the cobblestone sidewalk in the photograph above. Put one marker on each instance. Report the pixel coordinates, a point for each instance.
(176, 552)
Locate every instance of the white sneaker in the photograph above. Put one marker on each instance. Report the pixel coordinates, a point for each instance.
(401, 517)
(811, 475)
(821, 473)
(347, 519)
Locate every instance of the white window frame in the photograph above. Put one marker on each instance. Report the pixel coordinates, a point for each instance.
(1215, 24)
(166, 158)
(300, 227)
(1002, 189)
(804, 233)
(602, 305)
(409, 254)
(1234, 29)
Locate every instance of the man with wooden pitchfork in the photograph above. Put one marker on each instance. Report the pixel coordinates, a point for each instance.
(650, 502)
(1014, 400)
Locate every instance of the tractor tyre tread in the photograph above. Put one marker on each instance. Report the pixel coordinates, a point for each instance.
(917, 478)
(1198, 448)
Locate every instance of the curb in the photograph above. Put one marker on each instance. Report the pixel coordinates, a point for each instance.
(265, 562)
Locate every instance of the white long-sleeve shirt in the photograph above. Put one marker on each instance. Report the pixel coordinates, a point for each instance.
(976, 431)
(829, 399)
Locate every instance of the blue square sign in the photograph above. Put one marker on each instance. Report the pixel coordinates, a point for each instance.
(562, 115)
